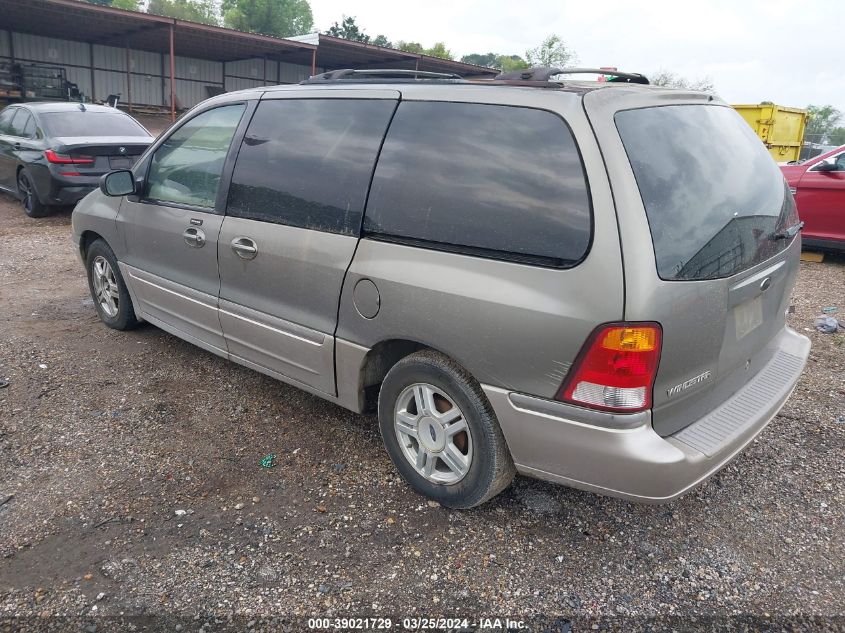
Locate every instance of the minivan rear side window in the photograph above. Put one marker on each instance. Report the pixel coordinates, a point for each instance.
(308, 162)
(495, 181)
(716, 202)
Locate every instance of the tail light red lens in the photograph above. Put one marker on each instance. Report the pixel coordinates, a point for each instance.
(62, 159)
(616, 368)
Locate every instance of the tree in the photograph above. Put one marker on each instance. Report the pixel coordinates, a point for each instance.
(410, 47)
(494, 60)
(508, 63)
(348, 30)
(439, 50)
(669, 79)
(202, 11)
(836, 136)
(381, 40)
(821, 123)
(129, 5)
(481, 59)
(281, 18)
(552, 52)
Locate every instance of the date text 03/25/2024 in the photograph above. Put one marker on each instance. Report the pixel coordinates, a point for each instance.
(416, 624)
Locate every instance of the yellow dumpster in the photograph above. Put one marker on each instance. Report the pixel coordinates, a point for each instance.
(779, 127)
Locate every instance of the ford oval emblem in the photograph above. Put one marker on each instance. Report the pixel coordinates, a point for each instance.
(765, 284)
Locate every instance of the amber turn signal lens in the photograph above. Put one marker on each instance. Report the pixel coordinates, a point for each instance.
(630, 339)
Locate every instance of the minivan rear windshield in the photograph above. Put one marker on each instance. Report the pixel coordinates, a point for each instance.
(79, 123)
(716, 201)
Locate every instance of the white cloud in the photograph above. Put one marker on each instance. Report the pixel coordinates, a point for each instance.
(755, 50)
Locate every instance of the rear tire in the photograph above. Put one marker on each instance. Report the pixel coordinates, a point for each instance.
(441, 432)
(32, 206)
(108, 290)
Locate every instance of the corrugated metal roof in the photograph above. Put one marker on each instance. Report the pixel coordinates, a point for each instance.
(81, 21)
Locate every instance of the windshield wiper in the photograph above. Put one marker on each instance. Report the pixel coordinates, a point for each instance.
(789, 232)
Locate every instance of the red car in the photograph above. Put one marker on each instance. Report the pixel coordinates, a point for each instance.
(819, 188)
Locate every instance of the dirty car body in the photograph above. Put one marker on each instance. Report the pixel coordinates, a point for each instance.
(613, 301)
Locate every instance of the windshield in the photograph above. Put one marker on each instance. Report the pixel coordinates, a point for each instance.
(716, 201)
(79, 123)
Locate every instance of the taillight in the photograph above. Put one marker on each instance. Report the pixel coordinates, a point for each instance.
(62, 159)
(616, 368)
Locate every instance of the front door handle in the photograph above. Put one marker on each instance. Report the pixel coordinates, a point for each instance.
(194, 237)
(244, 247)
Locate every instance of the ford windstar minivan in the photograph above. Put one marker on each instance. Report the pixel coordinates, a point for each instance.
(584, 282)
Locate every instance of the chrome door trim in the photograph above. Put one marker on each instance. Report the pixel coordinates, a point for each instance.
(280, 326)
(262, 340)
(191, 313)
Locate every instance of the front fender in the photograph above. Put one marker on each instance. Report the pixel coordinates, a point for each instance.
(96, 216)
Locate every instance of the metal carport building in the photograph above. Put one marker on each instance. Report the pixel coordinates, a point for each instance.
(160, 61)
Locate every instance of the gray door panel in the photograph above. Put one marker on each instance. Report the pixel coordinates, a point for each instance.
(190, 312)
(170, 230)
(174, 281)
(282, 346)
(292, 287)
(293, 216)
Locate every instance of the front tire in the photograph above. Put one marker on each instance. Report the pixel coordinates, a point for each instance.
(32, 206)
(108, 290)
(441, 432)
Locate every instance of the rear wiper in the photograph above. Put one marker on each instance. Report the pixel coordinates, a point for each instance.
(788, 233)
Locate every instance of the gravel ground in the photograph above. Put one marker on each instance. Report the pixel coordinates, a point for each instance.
(131, 466)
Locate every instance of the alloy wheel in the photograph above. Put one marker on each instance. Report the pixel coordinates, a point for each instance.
(27, 194)
(106, 291)
(433, 434)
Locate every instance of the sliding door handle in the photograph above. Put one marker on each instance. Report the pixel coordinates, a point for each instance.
(244, 248)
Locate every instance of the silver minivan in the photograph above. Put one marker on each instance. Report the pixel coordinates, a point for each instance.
(584, 282)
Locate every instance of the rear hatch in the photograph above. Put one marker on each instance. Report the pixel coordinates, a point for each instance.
(708, 235)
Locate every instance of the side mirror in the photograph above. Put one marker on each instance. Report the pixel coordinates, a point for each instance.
(827, 167)
(118, 183)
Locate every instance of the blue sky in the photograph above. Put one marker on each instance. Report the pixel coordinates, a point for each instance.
(755, 50)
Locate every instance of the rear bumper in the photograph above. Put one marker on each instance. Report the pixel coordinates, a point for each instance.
(588, 450)
(71, 189)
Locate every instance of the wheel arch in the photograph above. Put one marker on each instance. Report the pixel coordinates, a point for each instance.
(380, 359)
(87, 238)
(32, 179)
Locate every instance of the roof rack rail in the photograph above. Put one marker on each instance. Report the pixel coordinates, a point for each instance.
(386, 73)
(544, 73)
